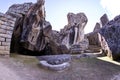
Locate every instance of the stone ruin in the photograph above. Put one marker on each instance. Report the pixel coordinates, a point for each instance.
(7, 25)
(24, 29)
(6, 30)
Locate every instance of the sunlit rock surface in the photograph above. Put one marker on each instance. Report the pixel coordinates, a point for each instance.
(111, 33)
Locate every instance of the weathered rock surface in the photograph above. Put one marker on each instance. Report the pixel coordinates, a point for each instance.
(94, 37)
(111, 33)
(34, 33)
(79, 48)
(18, 10)
(7, 25)
(55, 59)
(104, 45)
(73, 33)
(104, 19)
(96, 40)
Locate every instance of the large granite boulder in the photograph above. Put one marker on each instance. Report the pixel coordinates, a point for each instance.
(73, 33)
(32, 32)
(97, 42)
(94, 37)
(111, 33)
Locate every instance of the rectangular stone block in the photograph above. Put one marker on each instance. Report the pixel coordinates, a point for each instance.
(3, 26)
(5, 44)
(8, 40)
(7, 48)
(4, 52)
(6, 23)
(6, 36)
(9, 32)
(2, 39)
(12, 25)
(2, 48)
(9, 28)
(3, 19)
(1, 22)
(3, 31)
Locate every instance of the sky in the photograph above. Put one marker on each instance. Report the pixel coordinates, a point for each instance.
(57, 10)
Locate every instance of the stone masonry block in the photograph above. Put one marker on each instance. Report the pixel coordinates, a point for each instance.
(9, 28)
(2, 39)
(7, 48)
(6, 36)
(3, 31)
(2, 48)
(1, 22)
(9, 32)
(3, 19)
(8, 40)
(7, 23)
(3, 26)
(4, 52)
(5, 43)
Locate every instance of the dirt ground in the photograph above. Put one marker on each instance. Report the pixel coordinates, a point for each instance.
(20, 67)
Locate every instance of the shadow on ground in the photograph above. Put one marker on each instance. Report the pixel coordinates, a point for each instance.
(27, 68)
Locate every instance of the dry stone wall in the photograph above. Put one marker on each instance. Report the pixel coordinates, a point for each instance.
(7, 23)
(6, 28)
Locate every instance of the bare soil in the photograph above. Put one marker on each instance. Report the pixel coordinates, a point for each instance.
(21, 67)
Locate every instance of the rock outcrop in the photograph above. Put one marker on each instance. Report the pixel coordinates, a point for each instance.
(7, 23)
(97, 42)
(32, 32)
(94, 37)
(111, 33)
(104, 19)
(18, 10)
(73, 34)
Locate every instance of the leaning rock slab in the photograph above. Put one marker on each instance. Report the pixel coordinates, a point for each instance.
(111, 33)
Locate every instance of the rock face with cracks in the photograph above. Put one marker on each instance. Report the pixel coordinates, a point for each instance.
(33, 33)
(111, 33)
(73, 33)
